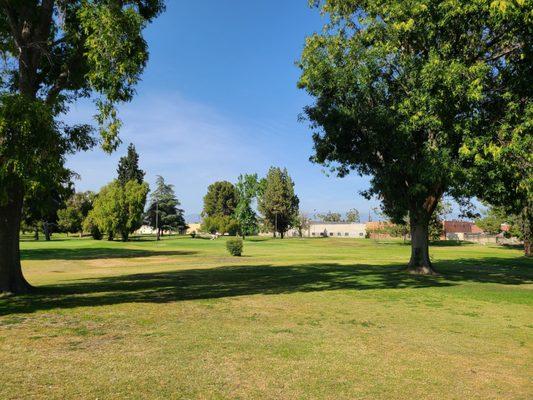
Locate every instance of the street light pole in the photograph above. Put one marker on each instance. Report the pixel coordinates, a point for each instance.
(157, 219)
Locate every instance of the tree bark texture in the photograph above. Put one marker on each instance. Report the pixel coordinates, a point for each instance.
(11, 278)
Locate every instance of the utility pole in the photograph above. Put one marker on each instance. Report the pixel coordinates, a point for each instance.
(157, 219)
(276, 226)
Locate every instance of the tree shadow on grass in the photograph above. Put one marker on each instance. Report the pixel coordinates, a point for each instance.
(94, 253)
(514, 271)
(232, 281)
(448, 243)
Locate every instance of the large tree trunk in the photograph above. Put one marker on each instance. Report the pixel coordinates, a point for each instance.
(419, 218)
(46, 230)
(420, 262)
(527, 220)
(11, 278)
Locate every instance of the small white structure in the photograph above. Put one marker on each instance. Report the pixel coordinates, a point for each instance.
(148, 230)
(333, 230)
(145, 230)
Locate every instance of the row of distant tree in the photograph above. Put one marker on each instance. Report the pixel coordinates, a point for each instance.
(352, 216)
(117, 210)
(231, 208)
(245, 208)
(495, 218)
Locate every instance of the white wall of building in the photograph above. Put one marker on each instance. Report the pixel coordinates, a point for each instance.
(333, 230)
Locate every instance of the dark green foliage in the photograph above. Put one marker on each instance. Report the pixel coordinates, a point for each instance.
(118, 209)
(221, 199)
(278, 203)
(128, 167)
(221, 224)
(55, 52)
(234, 246)
(42, 205)
(70, 218)
(247, 189)
(498, 160)
(519, 225)
(164, 209)
(492, 220)
(402, 89)
(95, 232)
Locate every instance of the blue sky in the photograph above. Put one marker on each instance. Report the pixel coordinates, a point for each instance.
(219, 98)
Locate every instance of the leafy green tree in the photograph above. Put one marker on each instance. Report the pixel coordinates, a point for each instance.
(278, 203)
(401, 87)
(302, 223)
(247, 188)
(41, 205)
(520, 227)
(53, 53)
(246, 219)
(498, 159)
(491, 222)
(163, 212)
(436, 222)
(128, 167)
(70, 218)
(330, 217)
(353, 216)
(494, 217)
(89, 225)
(221, 224)
(221, 199)
(119, 209)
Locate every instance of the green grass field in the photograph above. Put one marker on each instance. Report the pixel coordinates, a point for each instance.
(291, 319)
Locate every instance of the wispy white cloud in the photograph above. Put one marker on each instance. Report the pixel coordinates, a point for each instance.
(189, 143)
(192, 145)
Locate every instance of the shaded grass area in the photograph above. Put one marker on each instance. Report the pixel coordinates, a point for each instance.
(94, 253)
(293, 319)
(230, 281)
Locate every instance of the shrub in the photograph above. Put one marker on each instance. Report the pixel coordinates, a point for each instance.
(234, 246)
(90, 226)
(95, 233)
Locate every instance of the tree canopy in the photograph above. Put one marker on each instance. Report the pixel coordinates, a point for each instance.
(247, 189)
(401, 87)
(72, 216)
(330, 217)
(128, 167)
(278, 204)
(119, 209)
(353, 216)
(163, 211)
(221, 199)
(55, 52)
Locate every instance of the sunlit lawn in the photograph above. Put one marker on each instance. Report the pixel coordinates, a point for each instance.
(291, 319)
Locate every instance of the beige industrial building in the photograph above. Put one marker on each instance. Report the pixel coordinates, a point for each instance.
(332, 229)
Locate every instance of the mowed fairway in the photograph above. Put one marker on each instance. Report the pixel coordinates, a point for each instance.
(291, 319)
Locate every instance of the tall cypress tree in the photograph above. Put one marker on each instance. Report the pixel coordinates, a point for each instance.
(128, 167)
